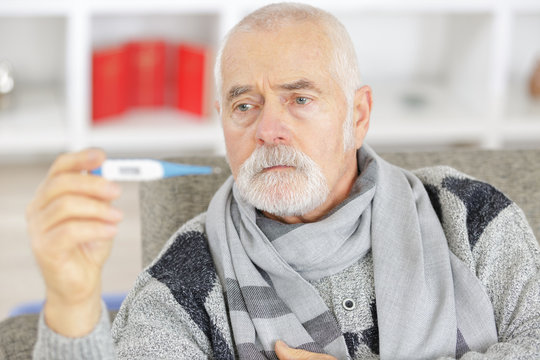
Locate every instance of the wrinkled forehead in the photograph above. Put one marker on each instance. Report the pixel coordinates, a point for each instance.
(296, 49)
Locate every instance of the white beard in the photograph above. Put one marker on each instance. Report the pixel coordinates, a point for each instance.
(285, 192)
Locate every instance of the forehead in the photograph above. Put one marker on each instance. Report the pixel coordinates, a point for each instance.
(293, 51)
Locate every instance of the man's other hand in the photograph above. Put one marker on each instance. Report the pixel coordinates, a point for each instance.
(285, 352)
(71, 224)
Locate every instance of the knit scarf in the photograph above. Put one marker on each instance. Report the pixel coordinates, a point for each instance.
(429, 304)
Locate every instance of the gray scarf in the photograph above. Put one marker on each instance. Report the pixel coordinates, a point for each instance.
(429, 304)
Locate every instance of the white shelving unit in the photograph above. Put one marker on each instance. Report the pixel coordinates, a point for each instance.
(443, 72)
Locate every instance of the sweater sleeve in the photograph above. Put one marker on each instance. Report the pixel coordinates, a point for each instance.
(152, 325)
(507, 258)
(96, 345)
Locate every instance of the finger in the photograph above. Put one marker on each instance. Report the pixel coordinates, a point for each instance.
(88, 159)
(69, 207)
(64, 237)
(284, 352)
(75, 183)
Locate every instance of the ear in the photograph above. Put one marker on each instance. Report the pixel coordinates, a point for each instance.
(217, 107)
(362, 111)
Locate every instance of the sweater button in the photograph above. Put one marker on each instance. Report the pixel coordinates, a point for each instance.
(349, 304)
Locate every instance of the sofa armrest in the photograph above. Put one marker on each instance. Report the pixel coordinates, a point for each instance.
(18, 336)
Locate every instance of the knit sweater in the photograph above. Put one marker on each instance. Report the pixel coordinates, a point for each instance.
(177, 308)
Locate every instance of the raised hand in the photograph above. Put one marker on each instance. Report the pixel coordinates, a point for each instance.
(72, 223)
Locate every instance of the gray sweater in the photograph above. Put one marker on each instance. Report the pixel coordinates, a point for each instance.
(177, 308)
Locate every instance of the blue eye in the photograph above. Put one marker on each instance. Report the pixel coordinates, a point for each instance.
(302, 100)
(244, 107)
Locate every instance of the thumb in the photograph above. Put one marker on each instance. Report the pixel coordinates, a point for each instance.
(284, 352)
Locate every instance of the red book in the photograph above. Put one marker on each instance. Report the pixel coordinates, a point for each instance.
(146, 64)
(191, 79)
(109, 76)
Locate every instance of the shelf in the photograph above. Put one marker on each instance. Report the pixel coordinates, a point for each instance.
(528, 131)
(144, 7)
(455, 133)
(157, 130)
(34, 7)
(424, 101)
(522, 107)
(415, 115)
(146, 130)
(523, 115)
(33, 118)
(113, 29)
(64, 7)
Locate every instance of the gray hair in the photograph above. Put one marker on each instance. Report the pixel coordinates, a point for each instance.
(344, 64)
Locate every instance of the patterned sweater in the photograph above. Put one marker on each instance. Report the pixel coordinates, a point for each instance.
(177, 308)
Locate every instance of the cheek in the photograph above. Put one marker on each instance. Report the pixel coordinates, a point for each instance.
(328, 139)
(327, 148)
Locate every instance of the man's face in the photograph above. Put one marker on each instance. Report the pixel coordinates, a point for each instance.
(278, 90)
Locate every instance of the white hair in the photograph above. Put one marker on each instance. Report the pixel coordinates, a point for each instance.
(344, 63)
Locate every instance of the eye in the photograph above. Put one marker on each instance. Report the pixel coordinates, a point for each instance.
(302, 100)
(244, 107)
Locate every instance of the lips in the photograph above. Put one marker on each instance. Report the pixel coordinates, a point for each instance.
(278, 167)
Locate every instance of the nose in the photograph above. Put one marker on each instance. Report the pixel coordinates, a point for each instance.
(272, 127)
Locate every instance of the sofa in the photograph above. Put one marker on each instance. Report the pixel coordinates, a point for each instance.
(166, 204)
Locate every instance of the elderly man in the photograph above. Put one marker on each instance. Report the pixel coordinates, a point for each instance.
(315, 248)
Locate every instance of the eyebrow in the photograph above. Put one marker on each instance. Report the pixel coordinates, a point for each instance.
(299, 85)
(237, 91)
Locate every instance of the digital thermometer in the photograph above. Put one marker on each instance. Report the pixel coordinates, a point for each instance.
(148, 169)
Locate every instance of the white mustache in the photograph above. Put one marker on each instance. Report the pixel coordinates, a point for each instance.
(276, 155)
